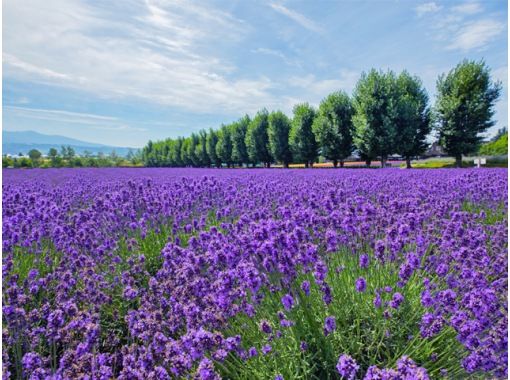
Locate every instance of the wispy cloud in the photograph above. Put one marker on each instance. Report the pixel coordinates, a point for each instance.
(162, 52)
(462, 27)
(89, 117)
(297, 17)
(476, 35)
(95, 121)
(316, 89)
(278, 54)
(425, 8)
(33, 69)
(468, 8)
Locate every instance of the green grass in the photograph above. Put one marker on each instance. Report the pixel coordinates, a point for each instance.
(492, 215)
(362, 330)
(449, 162)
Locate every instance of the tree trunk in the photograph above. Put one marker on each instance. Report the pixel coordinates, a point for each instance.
(268, 165)
(368, 163)
(383, 161)
(311, 164)
(458, 160)
(286, 165)
(306, 164)
(408, 163)
(341, 163)
(335, 163)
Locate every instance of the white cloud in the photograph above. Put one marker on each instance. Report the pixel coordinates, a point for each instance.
(33, 69)
(476, 35)
(460, 27)
(501, 74)
(427, 8)
(297, 17)
(277, 54)
(60, 115)
(84, 117)
(158, 51)
(315, 89)
(468, 8)
(95, 121)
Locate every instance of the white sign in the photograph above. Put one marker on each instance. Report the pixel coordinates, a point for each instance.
(480, 161)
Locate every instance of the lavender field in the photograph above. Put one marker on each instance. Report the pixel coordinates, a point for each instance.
(255, 274)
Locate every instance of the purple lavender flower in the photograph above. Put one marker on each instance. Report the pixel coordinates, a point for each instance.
(329, 325)
(396, 300)
(364, 261)
(286, 323)
(206, 370)
(377, 301)
(305, 287)
(265, 327)
(287, 301)
(347, 367)
(361, 284)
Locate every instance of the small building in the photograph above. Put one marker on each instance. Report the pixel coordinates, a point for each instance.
(435, 150)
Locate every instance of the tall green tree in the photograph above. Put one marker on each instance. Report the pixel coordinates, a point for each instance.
(278, 133)
(55, 159)
(375, 109)
(224, 145)
(257, 139)
(35, 156)
(175, 152)
(239, 152)
(333, 127)
(211, 141)
(185, 149)
(201, 149)
(464, 107)
(146, 154)
(413, 117)
(192, 150)
(302, 140)
(67, 152)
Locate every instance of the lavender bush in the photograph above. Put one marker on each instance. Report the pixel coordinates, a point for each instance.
(175, 273)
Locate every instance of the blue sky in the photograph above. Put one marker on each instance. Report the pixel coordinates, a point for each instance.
(123, 72)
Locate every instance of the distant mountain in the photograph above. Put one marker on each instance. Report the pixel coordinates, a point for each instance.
(21, 142)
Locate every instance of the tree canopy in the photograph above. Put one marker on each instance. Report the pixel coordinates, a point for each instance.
(302, 140)
(465, 107)
(278, 132)
(257, 139)
(333, 127)
(413, 117)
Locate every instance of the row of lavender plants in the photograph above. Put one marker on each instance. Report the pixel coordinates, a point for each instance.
(170, 273)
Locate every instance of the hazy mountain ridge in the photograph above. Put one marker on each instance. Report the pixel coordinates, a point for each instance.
(15, 142)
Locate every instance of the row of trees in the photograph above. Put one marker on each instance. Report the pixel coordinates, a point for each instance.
(67, 157)
(387, 114)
